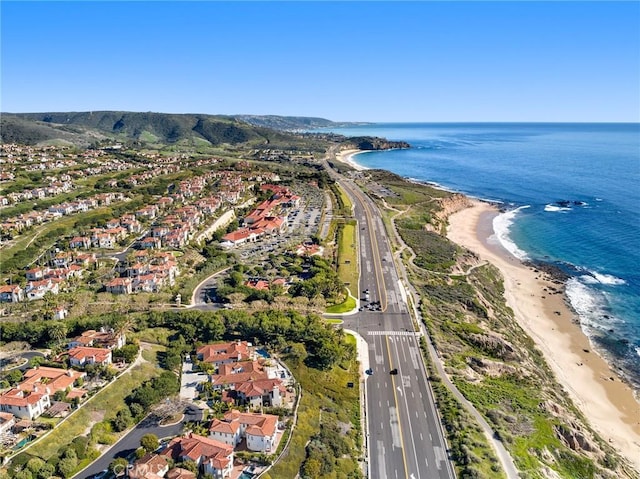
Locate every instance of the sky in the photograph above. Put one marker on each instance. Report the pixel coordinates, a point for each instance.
(345, 61)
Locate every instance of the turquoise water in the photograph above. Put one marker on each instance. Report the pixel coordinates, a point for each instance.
(573, 197)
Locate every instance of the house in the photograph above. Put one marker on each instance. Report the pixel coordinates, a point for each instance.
(215, 457)
(236, 373)
(83, 242)
(11, 293)
(150, 466)
(150, 243)
(108, 339)
(35, 274)
(180, 473)
(259, 430)
(223, 353)
(260, 392)
(119, 286)
(7, 420)
(49, 380)
(24, 404)
(81, 356)
(37, 289)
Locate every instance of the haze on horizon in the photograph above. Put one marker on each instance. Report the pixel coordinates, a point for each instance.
(352, 61)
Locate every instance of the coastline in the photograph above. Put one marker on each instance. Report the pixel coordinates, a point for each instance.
(346, 156)
(607, 402)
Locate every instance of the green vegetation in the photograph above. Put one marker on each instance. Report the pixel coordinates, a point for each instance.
(104, 405)
(349, 304)
(489, 358)
(327, 410)
(348, 255)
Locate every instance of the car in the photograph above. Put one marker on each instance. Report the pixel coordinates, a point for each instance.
(369, 371)
(393, 372)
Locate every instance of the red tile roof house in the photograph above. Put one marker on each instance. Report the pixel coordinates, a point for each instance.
(258, 429)
(24, 404)
(11, 293)
(103, 338)
(37, 289)
(260, 392)
(179, 473)
(50, 380)
(246, 371)
(82, 356)
(119, 286)
(150, 466)
(223, 353)
(215, 457)
(7, 420)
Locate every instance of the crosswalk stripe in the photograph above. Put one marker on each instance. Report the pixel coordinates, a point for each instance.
(391, 333)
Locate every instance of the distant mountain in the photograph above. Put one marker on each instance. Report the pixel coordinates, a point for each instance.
(85, 128)
(291, 122)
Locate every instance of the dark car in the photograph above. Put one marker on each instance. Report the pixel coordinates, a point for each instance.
(393, 371)
(369, 371)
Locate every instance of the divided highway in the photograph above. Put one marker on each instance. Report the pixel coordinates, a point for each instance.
(405, 438)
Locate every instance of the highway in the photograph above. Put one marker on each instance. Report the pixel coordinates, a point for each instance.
(405, 438)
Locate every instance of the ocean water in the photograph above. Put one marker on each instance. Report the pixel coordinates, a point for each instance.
(572, 198)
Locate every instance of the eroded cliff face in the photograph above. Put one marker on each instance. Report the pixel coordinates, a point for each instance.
(497, 366)
(448, 206)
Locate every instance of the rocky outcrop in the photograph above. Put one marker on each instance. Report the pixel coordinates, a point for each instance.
(494, 345)
(486, 367)
(374, 143)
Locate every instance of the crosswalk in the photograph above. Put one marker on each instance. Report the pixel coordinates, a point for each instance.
(391, 333)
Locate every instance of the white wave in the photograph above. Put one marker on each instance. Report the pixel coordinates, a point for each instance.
(556, 208)
(502, 227)
(598, 199)
(588, 279)
(591, 305)
(638, 350)
(608, 279)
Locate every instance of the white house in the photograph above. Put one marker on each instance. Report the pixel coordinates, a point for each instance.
(25, 404)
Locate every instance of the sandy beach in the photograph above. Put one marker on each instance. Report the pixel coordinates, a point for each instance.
(346, 156)
(607, 402)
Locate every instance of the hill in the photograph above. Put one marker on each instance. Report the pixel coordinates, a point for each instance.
(85, 128)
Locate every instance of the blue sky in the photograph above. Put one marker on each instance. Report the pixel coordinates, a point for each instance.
(353, 61)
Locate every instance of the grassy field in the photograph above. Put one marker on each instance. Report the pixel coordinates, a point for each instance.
(348, 255)
(348, 305)
(104, 405)
(325, 398)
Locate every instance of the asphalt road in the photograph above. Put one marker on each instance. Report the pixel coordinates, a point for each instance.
(129, 443)
(405, 438)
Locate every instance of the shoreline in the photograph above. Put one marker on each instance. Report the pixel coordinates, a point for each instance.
(607, 402)
(346, 156)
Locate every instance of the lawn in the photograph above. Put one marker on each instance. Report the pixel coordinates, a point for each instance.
(348, 255)
(103, 405)
(348, 305)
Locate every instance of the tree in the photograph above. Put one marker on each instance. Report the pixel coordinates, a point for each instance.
(46, 471)
(35, 464)
(123, 420)
(14, 376)
(57, 332)
(150, 442)
(23, 474)
(68, 463)
(118, 466)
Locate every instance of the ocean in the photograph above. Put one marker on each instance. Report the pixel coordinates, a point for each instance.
(571, 194)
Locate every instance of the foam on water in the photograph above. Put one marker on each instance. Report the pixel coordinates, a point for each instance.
(608, 279)
(553, 208)
(502, 229)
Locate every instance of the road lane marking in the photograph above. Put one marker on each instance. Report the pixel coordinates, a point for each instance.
(395, 397)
